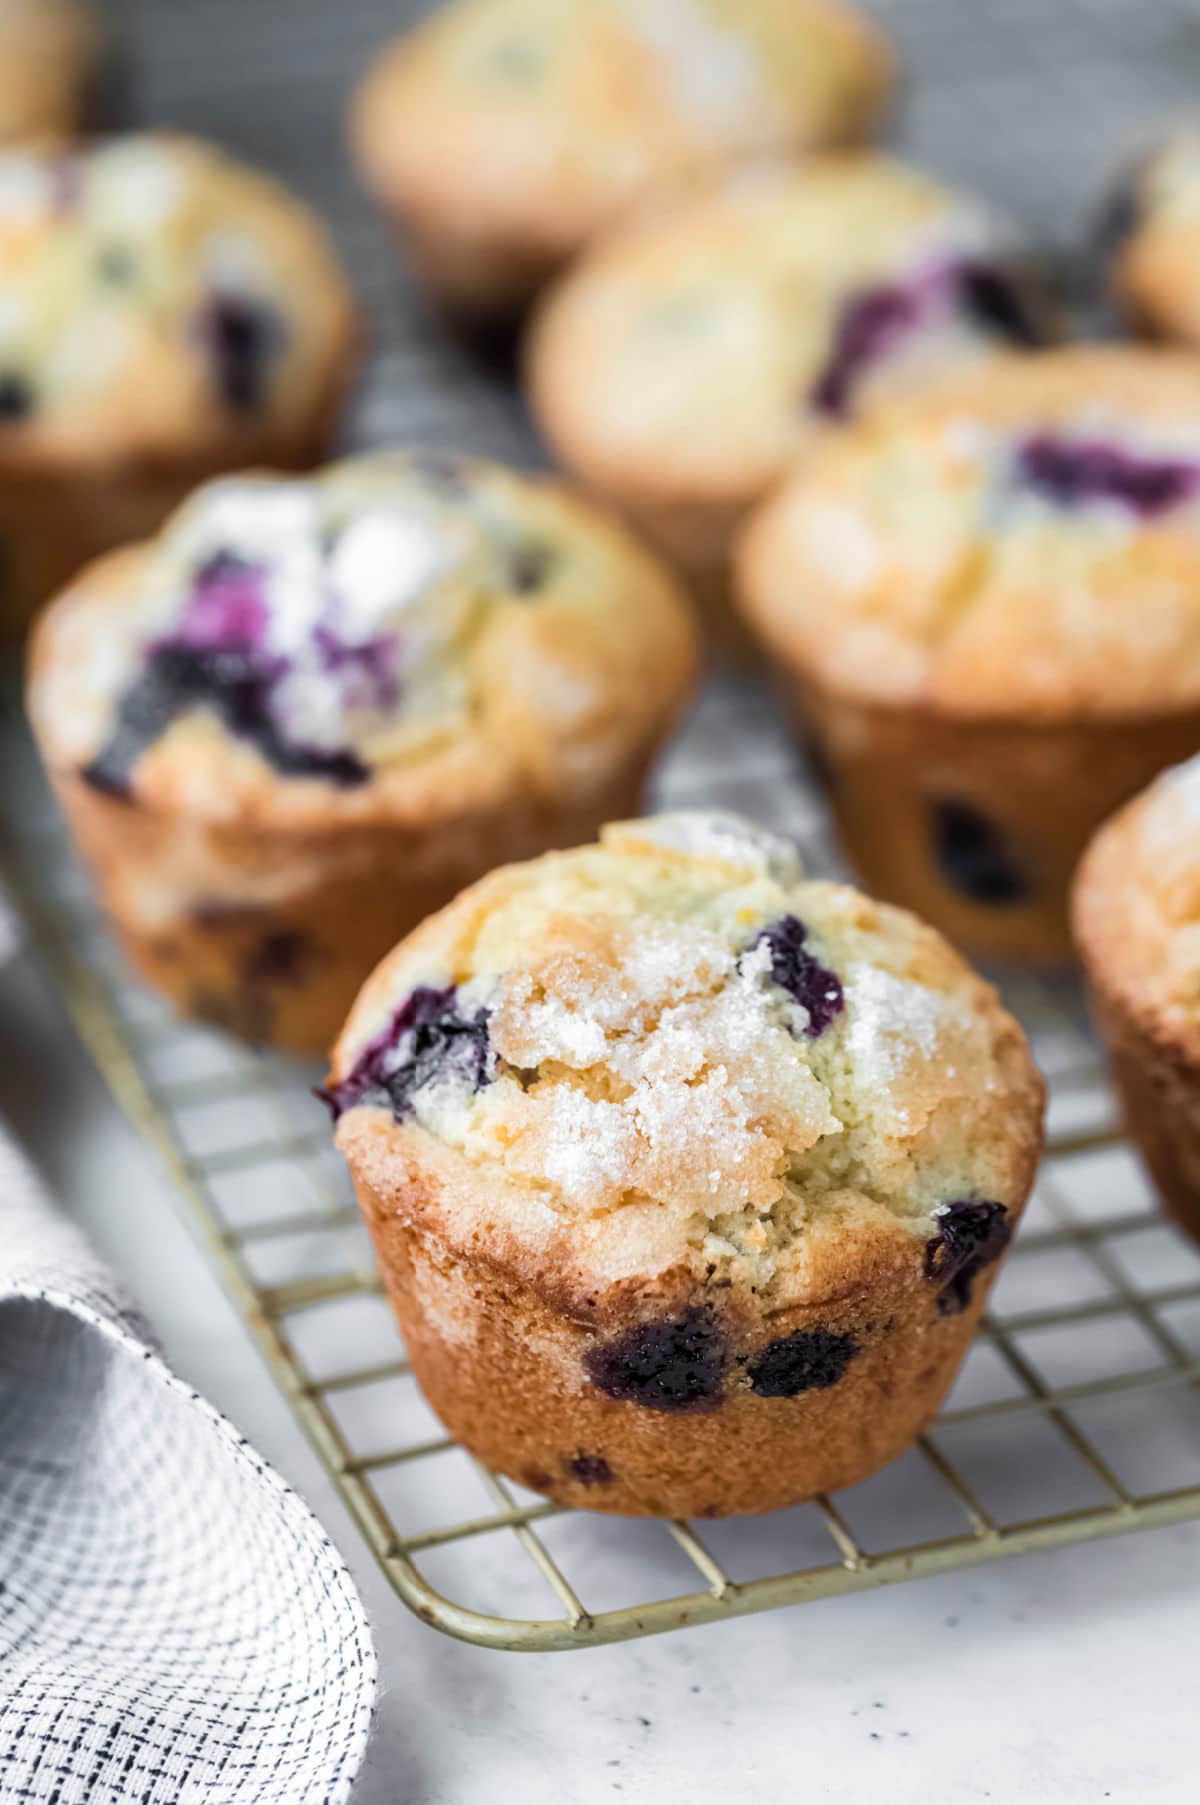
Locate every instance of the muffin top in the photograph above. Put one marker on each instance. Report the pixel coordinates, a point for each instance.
(1022, 542)
(692, 353)
(1137, 906)
(47, 52)
(1153, 231)
(530, 121)
(413, 636)
(159, 299)
(669, 1059)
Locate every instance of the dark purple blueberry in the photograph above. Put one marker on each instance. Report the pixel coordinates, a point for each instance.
(278, 958)
(529, 564)
(371, 663)
(16, 396)
(809, 1360)
(972, 856)
(589, 1469)
(802, 975)
(227, 609)
(428, 1039)
(236, 685)
(865, 329)
(994, 299)
(671, 1363)
(1071, 473)
(242, 337)
(969, 1237)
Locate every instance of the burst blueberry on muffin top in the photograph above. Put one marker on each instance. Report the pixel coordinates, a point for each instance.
(397, 632)
(678, 1064)
(157, 297)
(1023, 543)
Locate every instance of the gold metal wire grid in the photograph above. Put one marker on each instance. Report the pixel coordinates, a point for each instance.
(1077, 1415)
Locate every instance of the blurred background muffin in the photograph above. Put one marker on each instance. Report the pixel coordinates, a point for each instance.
(688, 358)
(1137, 924)
(986, 609)
(308, 713)
(165, 313)
(48, 55)
(500, 134)
(1153, 233)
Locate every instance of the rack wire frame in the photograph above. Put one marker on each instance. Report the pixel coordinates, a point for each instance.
(126, 1032)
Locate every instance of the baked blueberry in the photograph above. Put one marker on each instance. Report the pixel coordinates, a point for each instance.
(1074, 472)
(868, 325)
(801, 974)
(809, 1360)
(667, 1363)
(972, 856)
(429, 1039)
(995, 301)
(970, 1236)
(16, 396)
(242, 336)
(589, 1469)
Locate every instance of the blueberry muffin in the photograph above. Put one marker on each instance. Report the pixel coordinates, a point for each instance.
(693, 355)
(48, 54)
(165, 313)
(312, 710)
(1137, 924)
(500, 134)
(987, 608)
(1152, 235)
(688, 1177)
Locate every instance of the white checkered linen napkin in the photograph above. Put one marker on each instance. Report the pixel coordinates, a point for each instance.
(175, 1627)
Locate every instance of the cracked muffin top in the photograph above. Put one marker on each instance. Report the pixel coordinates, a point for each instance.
(695, 351)
(670, 1060)
(1022, 542)
(48, 50)
(397, 636)
(159, 299)
(527, 123)
(1153, 236)
(1137, 906)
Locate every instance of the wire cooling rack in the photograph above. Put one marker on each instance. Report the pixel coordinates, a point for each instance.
(1077, 1414)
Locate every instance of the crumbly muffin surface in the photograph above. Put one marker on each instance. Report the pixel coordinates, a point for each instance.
(389, 632)
(157, 297)
(544, 108)
(1024, 542)
(670, 1051)
(695, 352)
